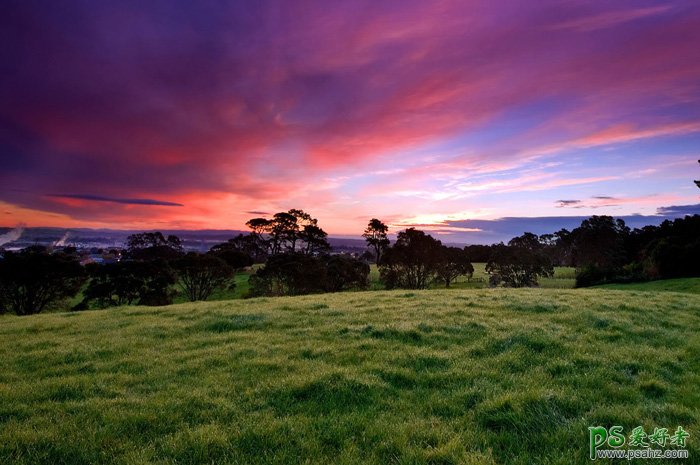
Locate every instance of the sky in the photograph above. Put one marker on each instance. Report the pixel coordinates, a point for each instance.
(451, 116)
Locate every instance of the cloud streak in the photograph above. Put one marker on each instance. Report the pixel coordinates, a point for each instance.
(100, 198)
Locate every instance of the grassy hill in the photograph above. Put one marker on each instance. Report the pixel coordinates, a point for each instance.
(441, 376)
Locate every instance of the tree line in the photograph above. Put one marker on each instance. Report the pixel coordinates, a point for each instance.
(602, 249)
(292, 256)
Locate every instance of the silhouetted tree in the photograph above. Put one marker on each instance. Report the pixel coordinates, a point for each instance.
(235, 259)
(314, 239)
(412, 262)
(285, 229)
(563, 248)
(520, 263)
(283, 232)
(200, 275)
(302, 220)
(453, 262)
(32, 280)
(674, 252)
(599, 249)
(376, 236)
(259, 226)
(600, 242)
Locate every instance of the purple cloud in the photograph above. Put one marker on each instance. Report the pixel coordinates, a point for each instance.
(99, 198)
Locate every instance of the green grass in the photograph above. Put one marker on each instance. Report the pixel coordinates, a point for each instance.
(493, 376)
(689, 285)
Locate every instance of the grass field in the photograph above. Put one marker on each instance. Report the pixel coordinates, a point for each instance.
(424, 377)
(690, 285)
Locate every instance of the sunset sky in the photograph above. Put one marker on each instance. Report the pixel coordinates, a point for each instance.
(187, 115)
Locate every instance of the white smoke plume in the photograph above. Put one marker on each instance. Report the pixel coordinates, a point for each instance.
(12, 236)
(62, 241)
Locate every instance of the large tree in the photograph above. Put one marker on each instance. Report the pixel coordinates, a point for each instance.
(33, 280)
(283, 232)
(412, 262)
(600, 242)
(314, 239)
(260, 235)
(302, 220)
(520, 263)
(376, 236)
(454, 262)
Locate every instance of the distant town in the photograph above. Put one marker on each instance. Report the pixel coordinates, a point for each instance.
(105, 245)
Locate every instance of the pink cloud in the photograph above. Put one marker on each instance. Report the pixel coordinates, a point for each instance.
(610, 18)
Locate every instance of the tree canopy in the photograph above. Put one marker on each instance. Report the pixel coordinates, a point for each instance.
(291, 231)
